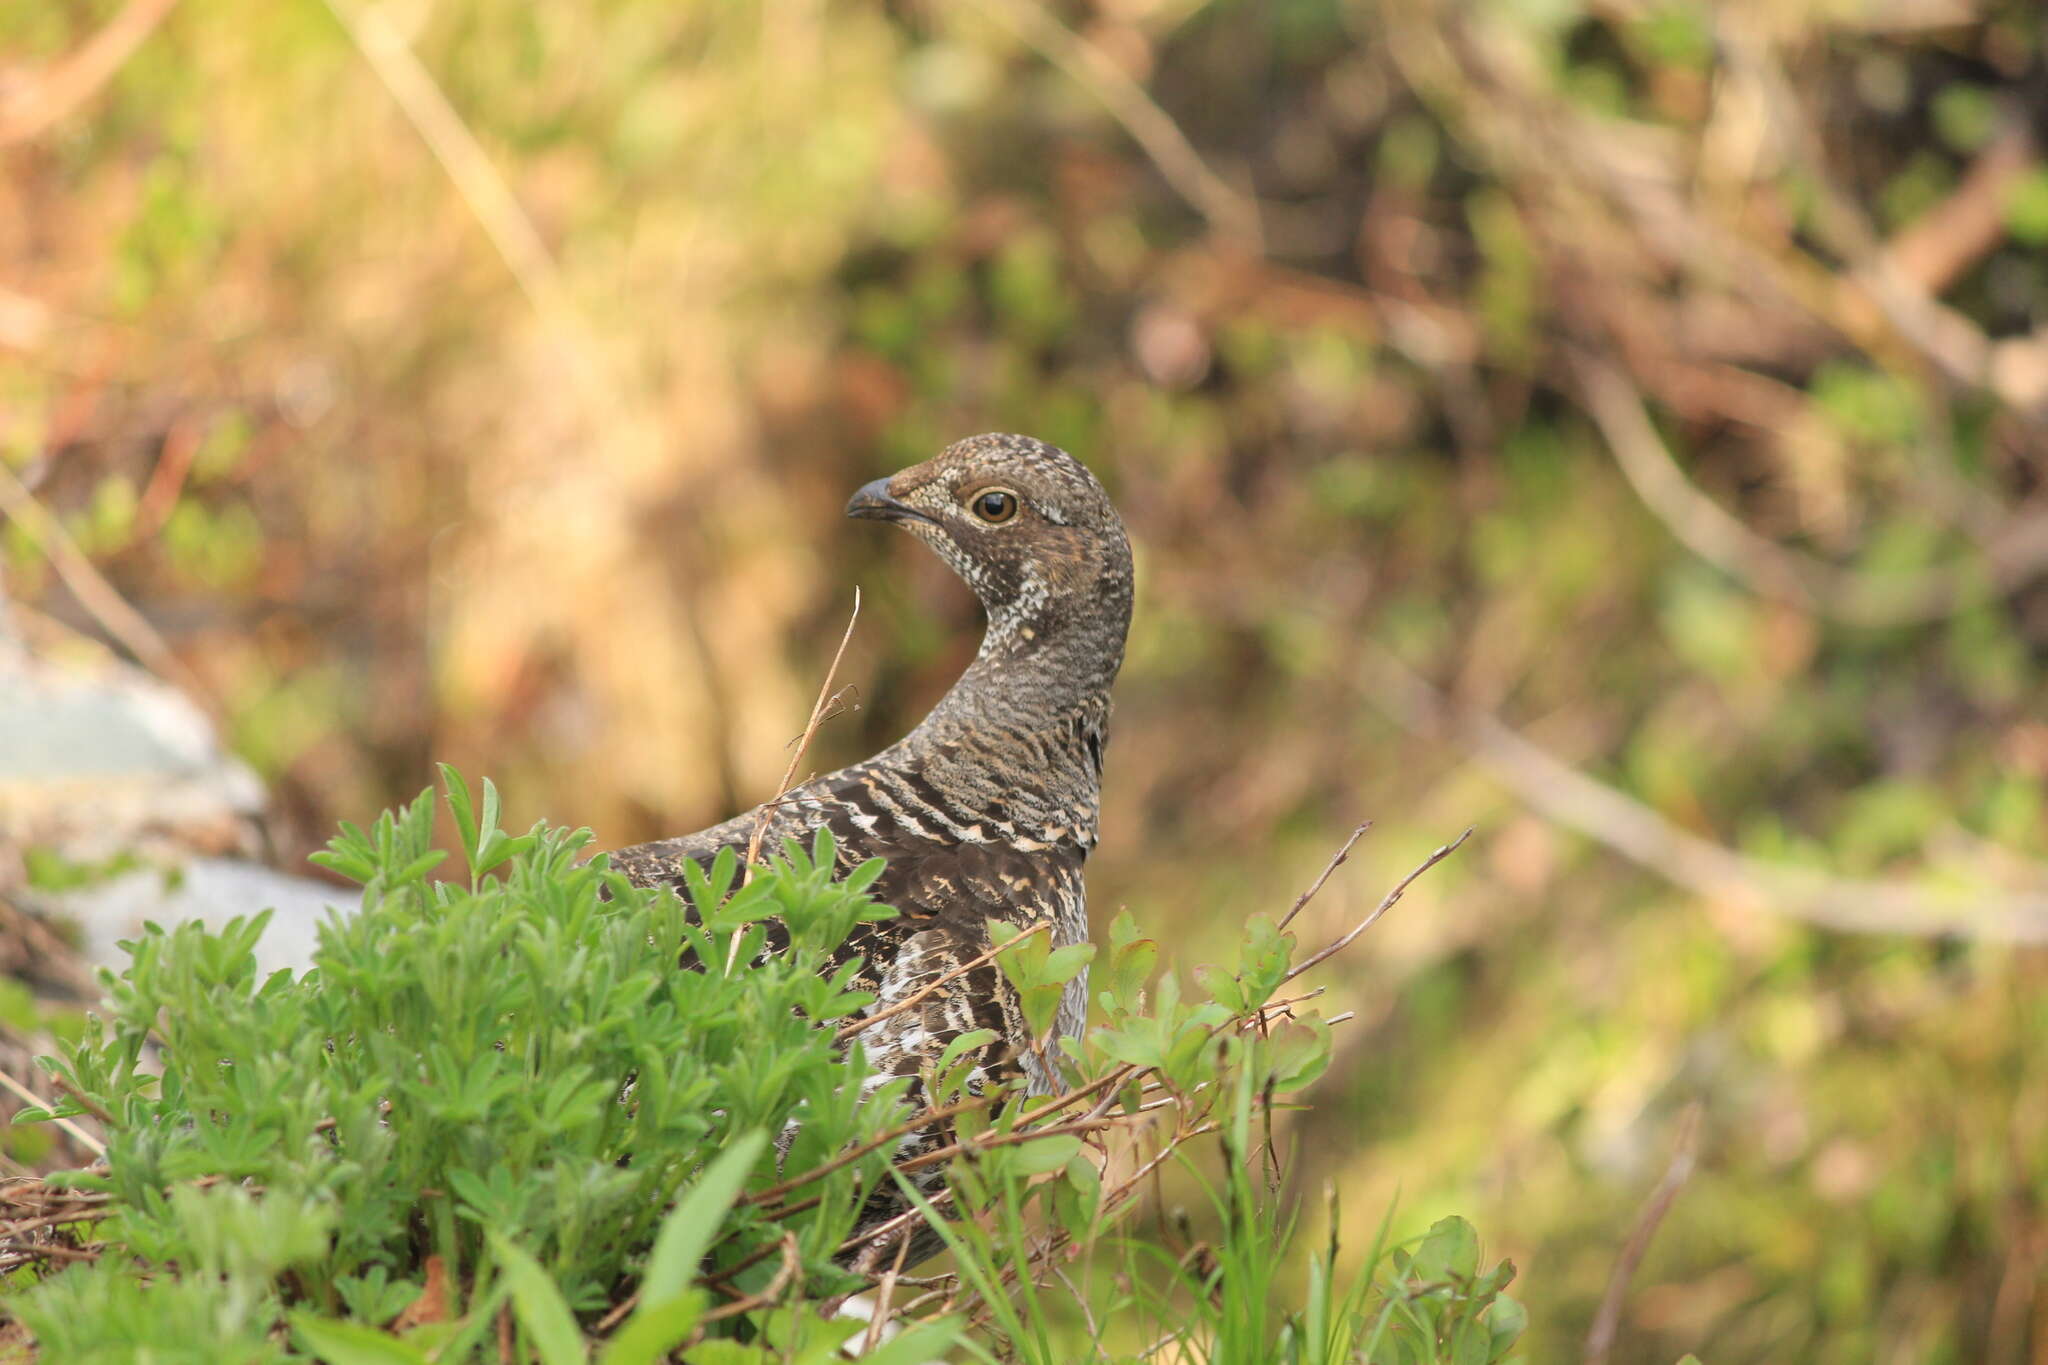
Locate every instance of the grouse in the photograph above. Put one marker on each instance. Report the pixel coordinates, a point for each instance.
(987, 809)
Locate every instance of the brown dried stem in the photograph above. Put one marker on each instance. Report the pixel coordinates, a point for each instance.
(1557, 790)
(99, 597)
(868, 1021)
(1386, 903)
(1600, 1339)
(885, 1292)
(786, 1272)
(2015, 555)
(66, 1126)
(85, 1101)
(39, 1224)
(1336, 861)
(40, 104)
(818, 710)
(1230, 212)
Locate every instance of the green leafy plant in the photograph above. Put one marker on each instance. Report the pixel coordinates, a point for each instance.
(497, 1114)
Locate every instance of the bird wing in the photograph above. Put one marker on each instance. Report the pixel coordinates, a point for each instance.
(945, 896)
(945, 892)
(661, 862)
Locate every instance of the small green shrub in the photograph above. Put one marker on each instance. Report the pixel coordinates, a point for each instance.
(496, 1111)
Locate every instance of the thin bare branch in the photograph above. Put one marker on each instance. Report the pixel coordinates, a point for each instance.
(2014, 556)
(1879, 279)
(1936, 248)
(1600, 1339)
(40, 104)
(85, 1101)
(615, 410)
(983, 1142)
(853, 1154)
(1336, 861)
(868, 1021)
(490, 199)
(99, 597)
(1561, 792)
(786, 1272)
(881, 1236)
(1230, 212)
(1386, 903)
(885, 1292)
(818, 709)
(69, 1129)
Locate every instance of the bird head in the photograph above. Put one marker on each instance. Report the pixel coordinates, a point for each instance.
(1028, 528)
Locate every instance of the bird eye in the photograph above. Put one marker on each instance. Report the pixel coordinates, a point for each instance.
(995, 506)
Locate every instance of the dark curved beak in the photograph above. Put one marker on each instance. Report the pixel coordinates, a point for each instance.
(875, 500)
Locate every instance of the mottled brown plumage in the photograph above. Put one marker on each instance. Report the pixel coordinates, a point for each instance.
(988, 808)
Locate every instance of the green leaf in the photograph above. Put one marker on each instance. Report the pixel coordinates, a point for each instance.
(655, 1329)
(1064, 964)
(1129, 1047)
(344, 862)
(727, 1353)
(1129, 964)
(2026, 208)
(1077, 1199)
(864, 876)
(1044, 1154)
(501, 848)
(1507, 1320)
(1450, 1248)
(418, 867)
(1223, 986)
(463, 810)
(1965, 115)
(966, 1042)
(539, 1305)
(352, 1343)
(1299, 1051)
(686, 1234)
(926, 1341)
(487, 823)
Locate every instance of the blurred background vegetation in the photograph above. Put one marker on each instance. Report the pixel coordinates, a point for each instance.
(1616, 424)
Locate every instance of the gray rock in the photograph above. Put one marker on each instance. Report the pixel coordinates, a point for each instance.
(98, 760)
(211, 890)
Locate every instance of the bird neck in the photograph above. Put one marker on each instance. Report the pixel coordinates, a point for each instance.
(1043, 663)
(1036, 698)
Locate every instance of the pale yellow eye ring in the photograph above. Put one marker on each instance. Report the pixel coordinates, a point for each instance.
(994, 505)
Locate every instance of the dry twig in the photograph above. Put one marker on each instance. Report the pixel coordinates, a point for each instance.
(868, 1021)
(1336, 861)
(1561, 792)
(95, 593)
(1156, 1095)
(490, 199)
(614, 409)
(1386, 903)
(66, 1126)
(884, 1293)
(41, 104)
(39, 1224)
(1600, 1339)
(791, 1263)
(2015, 555)
(1230, 212)
(818, 709)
